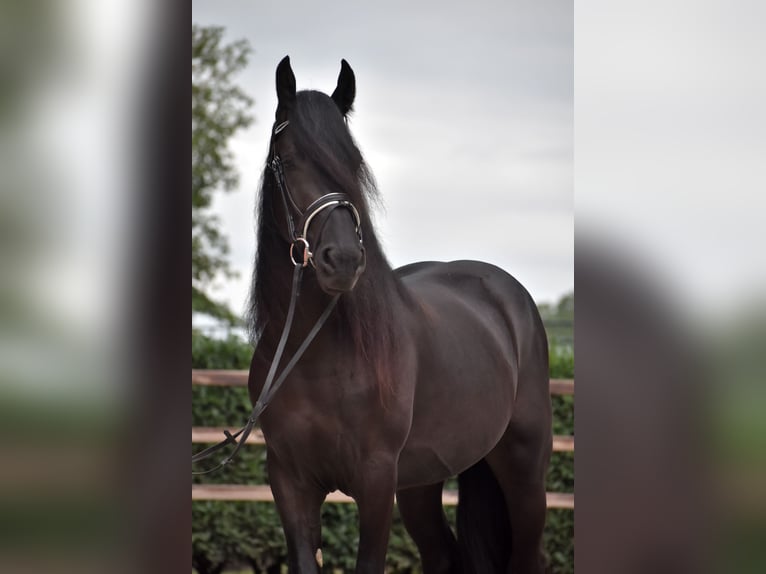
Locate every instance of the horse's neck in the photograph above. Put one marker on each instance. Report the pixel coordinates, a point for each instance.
(310, 303)
(360, 320)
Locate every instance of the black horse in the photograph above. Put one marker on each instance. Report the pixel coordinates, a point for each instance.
(421, 373)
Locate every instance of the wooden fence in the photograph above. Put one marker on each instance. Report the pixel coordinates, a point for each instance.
(262, 493)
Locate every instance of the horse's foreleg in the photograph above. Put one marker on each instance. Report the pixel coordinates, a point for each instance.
(299, 507)
(374, 495)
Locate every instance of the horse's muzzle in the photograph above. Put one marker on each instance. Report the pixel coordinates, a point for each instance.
(339, 268)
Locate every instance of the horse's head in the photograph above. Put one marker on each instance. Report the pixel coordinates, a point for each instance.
(315, 165)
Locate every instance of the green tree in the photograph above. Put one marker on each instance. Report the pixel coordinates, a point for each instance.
(559, 320)
(219, 109)
(565, 307)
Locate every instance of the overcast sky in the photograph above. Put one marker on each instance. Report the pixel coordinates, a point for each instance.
(464, 112)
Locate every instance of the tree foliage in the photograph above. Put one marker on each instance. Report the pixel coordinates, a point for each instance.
(559, 321)
(219, 110)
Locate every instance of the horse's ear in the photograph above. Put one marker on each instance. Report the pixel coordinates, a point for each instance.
(346, 90)
(285, 84)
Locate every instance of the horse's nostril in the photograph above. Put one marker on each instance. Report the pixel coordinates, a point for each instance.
(327, 258)
(336, 260)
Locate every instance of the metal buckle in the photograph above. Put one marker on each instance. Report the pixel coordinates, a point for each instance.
(307, 255)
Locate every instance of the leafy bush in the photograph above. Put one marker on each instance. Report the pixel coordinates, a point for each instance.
(238, 534)
(230, 353)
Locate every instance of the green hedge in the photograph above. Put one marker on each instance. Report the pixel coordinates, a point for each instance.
(249, 535)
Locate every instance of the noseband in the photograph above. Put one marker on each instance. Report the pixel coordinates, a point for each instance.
(329, 201)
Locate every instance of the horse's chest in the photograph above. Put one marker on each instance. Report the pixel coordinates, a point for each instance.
(325, 437)
(309, 436)
(318, 451)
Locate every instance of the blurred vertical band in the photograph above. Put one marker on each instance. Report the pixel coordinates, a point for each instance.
(670, 141)
(92, 193)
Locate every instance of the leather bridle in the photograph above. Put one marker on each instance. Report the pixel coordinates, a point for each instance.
(329, 202)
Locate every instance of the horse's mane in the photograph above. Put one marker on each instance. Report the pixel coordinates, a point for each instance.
(321, 136)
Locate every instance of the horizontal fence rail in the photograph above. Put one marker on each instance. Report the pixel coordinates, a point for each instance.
(229, 378)
(262, 493)
(561, 443)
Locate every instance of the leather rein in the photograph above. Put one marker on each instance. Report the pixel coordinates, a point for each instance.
(300, 241)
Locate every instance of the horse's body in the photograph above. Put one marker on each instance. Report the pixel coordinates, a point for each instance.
(465, 393)
(420, 374)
